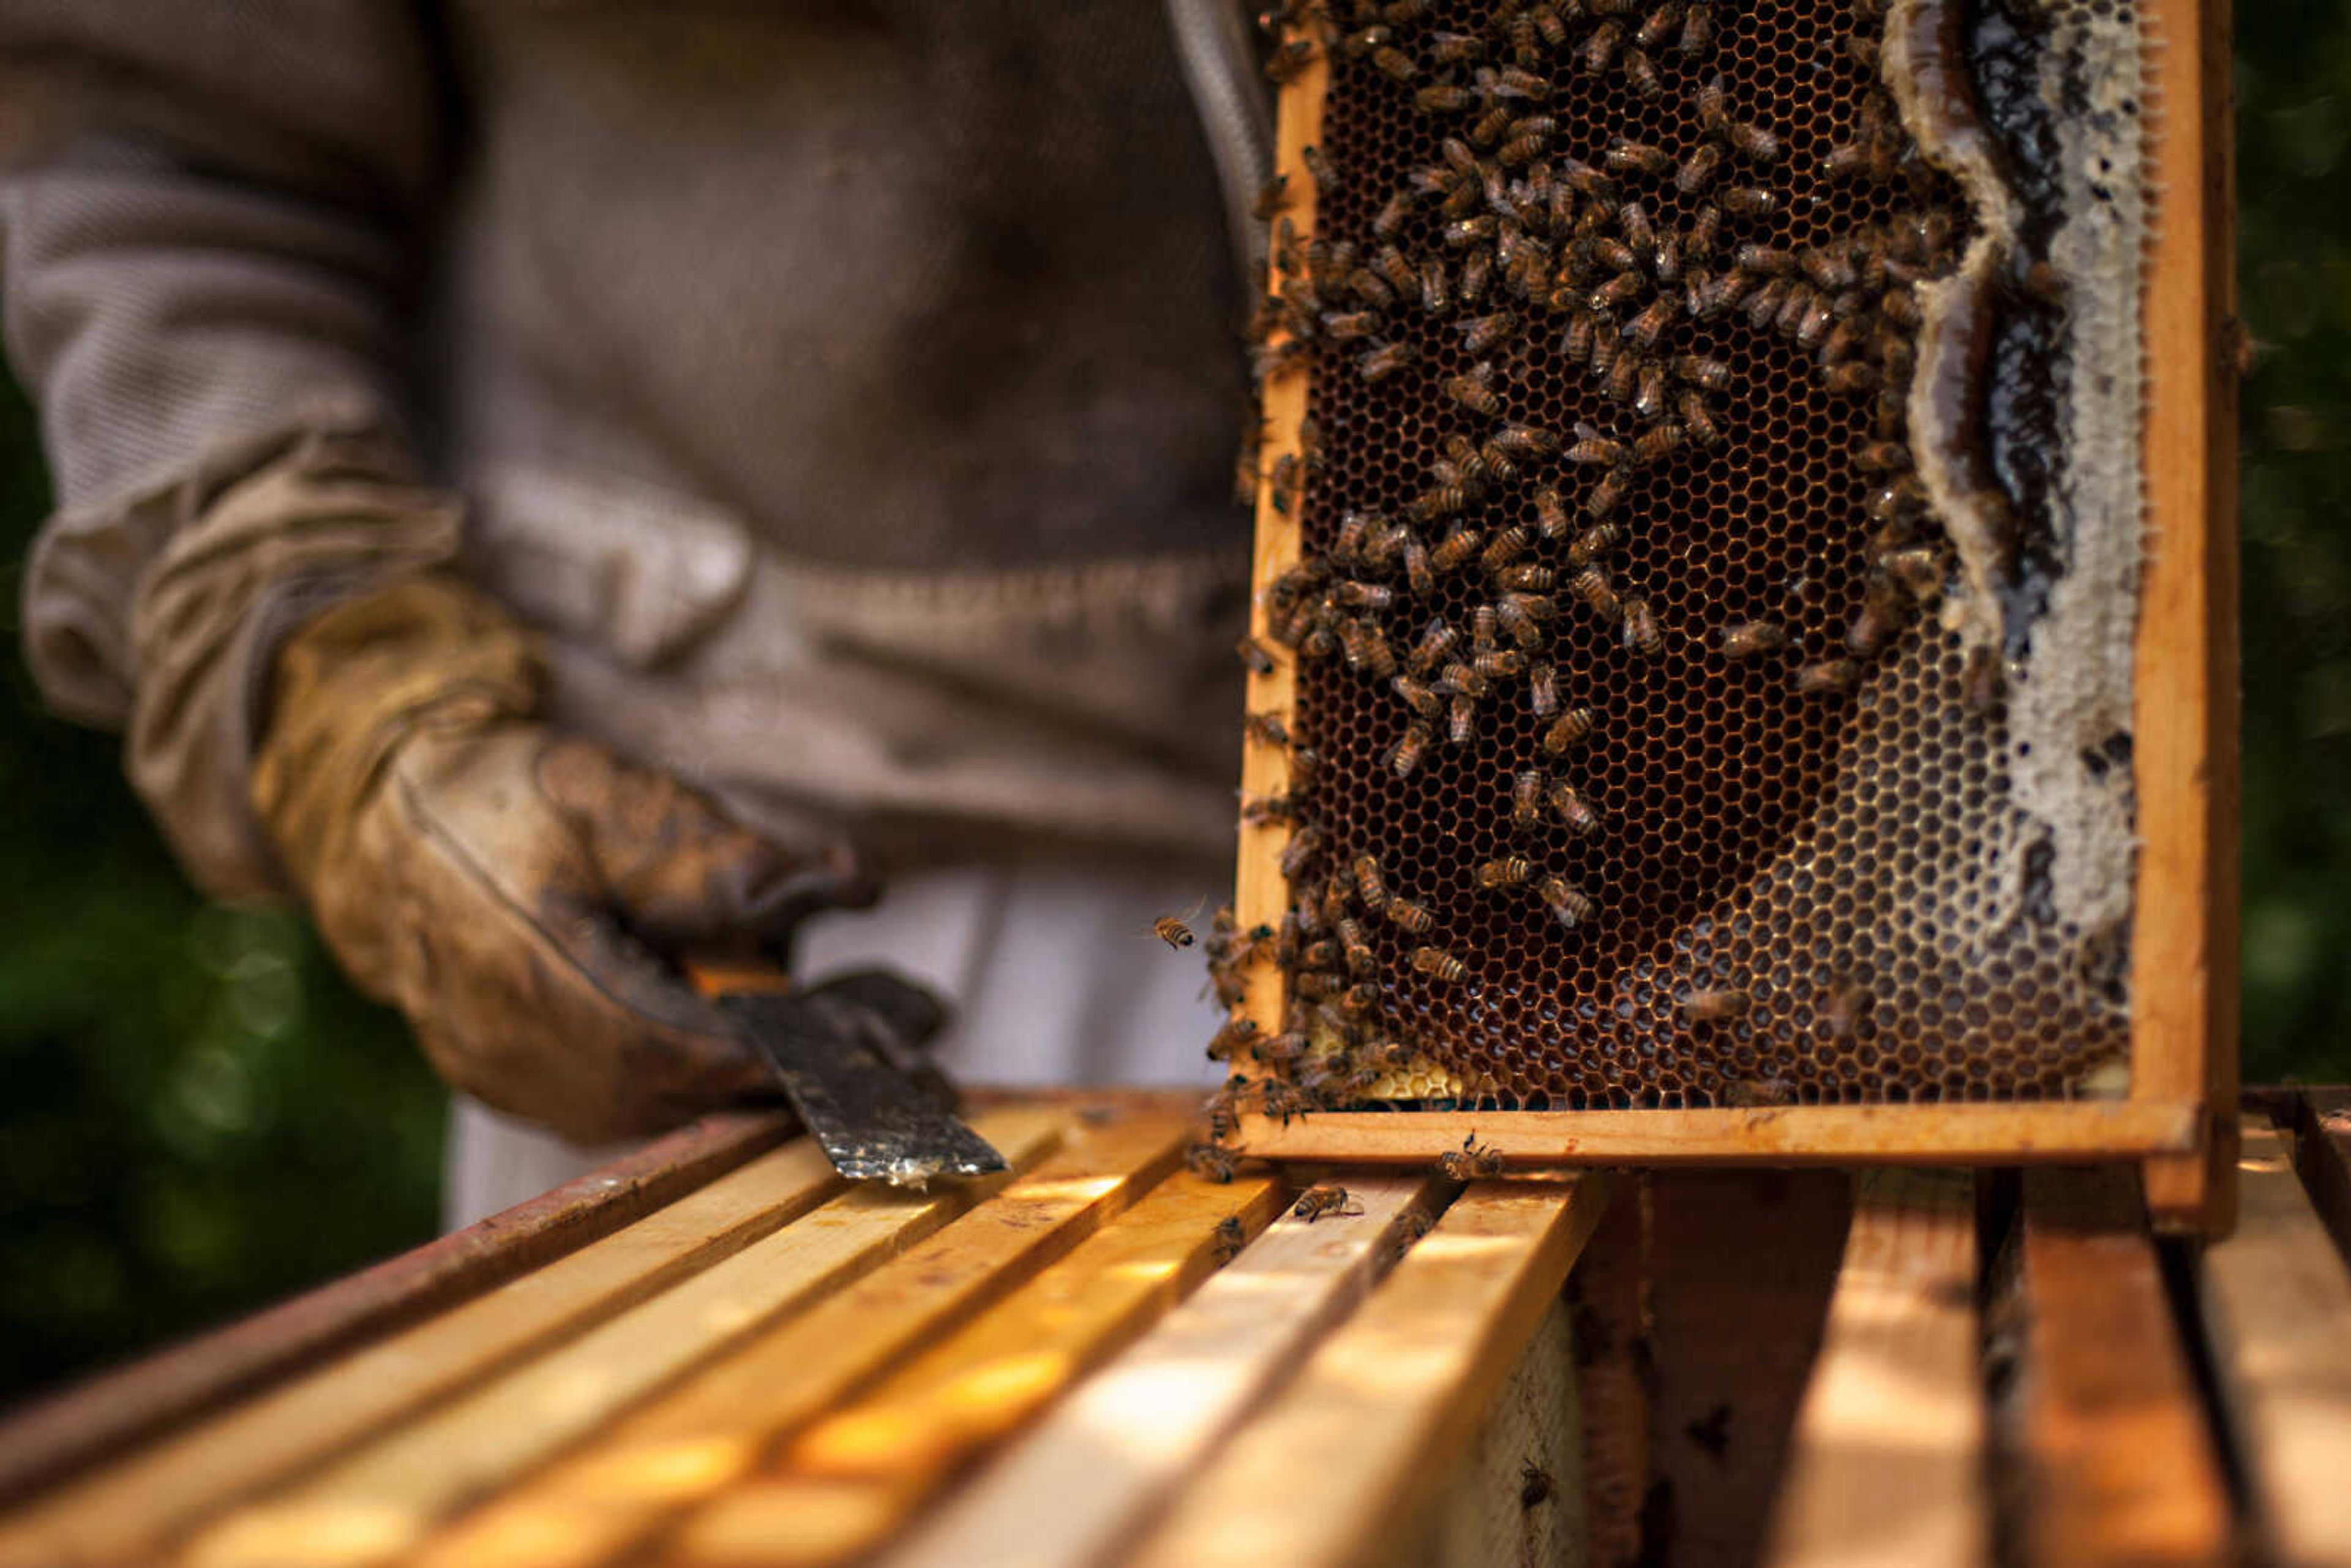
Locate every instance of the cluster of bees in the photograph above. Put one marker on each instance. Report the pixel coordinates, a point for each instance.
(1526, 244)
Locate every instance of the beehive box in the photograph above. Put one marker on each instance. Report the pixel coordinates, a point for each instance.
(1744, 587)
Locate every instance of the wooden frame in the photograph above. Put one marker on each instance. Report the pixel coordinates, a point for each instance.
(2183, 1017)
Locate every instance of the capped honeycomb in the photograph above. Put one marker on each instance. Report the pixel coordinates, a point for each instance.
(1714, 575)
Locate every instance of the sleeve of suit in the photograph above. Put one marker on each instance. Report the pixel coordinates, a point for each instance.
(210, 215)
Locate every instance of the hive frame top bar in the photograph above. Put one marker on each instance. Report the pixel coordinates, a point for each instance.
(2182, 943)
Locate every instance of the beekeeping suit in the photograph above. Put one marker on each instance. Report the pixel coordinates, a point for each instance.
(550, 484)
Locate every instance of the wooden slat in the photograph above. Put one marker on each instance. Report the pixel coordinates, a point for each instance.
(1888, 1466)
(2277, 1306)
(2320, 1119)
(2117, 1460)
(124, 1511)
(108, 1415)
(2184, 735)
(1741, 1268)
(689, 1444)
(1614, 1365)
(379, 1502)
(1487, 1516)
(2008, 1133)
(845, 1485)
(1105, 1460)
(1341, 1463)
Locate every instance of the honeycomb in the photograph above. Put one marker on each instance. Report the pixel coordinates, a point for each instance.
(1788, 863)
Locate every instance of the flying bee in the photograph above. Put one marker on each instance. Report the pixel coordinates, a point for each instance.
(1481, 333)
(1704, 1006)
(1297, 854)
(1828, 675)
(1543, 690)
(1172, 931)
(1325, 1197)
(1552, 519)
(1440, 964)
(1394, 64)
(1405, 754)
(1569, 906)
(1525, 578)
(1749, 638)
(1572, 729)
(1526, 800)
(1696, 420)
(1641, 632)
(1605, 497)
(1442, 98)
(1571, 807)
(1698, 170)
(1471, 1160)
(1384, 361)
(1267, 729)
(1253, 655)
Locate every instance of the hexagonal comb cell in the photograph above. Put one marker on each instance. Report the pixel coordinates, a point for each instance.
(1623, 612)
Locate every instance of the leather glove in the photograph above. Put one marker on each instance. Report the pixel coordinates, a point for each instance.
(513, 890)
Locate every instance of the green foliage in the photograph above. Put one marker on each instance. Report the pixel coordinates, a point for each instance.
(197, 1116)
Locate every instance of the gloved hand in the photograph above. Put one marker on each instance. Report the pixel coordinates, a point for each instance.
(510, 888)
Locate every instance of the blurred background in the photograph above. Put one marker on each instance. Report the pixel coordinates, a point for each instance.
(197, 1116)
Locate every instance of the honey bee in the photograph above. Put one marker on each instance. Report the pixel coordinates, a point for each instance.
(1285, 1101)
(1543, 690)
(1641, 72)
(1572, 729)
(1698, 170)
(1442, 98)
(1593, 543)
(1624, 376)
(1877, 619)
(1418, 573)
(1267, 729)
(1626, 156)
(1525, 579)
(1172, 931)
(1919, 569)
(1393, 215)
(1471, 1160)
(1211, 1163)
(1355, 948)
(1621, 289)
(1571, 807)
(1506, 547)
(1644, 330)
(1552, 519)
(1346, 327)
(1846, 1005)
(1304, 844)
(1438, 965)
(1705, 233)
(1639, 231)
(1367, 649)
(1641, 632)
(1757, 1094)
(1851, 377)
(1704, 1006)
(1828, 675)
(1714, 104)
(1697, 30)
(1418, 698)
(1259, 810)
(1749, 638)
(1516, 81)
(1429, 653)
(1253, 655)
(1749, 201)
(1698, 420)
(1457, 549)
(1394, 64)
(1229, 1238)
(1384, 361)
(1405, 754)
(1592, 585)
(1289, 61)
(1600, 47)
(1598, 451)
(1476, 273)
(1481, 333)
(1763, 306)
(1570, 907)
(1412, 918)
(1526, 800)
(1752, 143)
(1649, 396)
(1230, 1036)
(1281, 1049)
(1326, 1198)
(1534, 1487)
(1499, 663)
(1520, 614)
(1511, 871)
(1460, 718)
